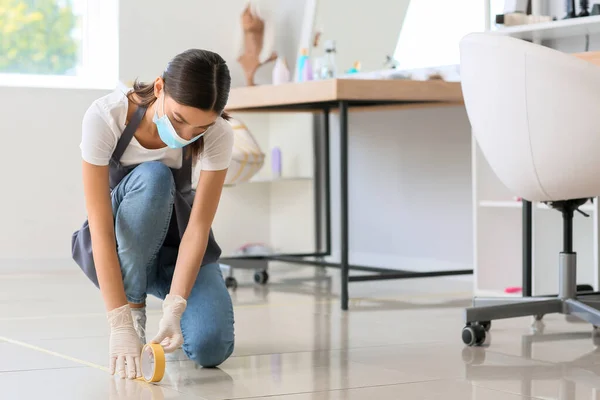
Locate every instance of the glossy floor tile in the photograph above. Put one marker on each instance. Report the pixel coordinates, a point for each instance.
(81, 383)
(15, 358)
(413, 391)
(400, 340)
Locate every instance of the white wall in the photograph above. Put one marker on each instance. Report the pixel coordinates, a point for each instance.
(212, 25)
(38, 220)
(409, 177)
(42, 201)
(292, 210)
(245, 205)
(151, 33)
(410, 189)
(409, 183)
(426, 219)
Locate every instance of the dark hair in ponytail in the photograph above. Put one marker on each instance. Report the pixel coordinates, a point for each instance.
(194, 78)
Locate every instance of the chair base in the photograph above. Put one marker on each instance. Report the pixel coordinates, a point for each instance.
(584, 306)
(485, 310)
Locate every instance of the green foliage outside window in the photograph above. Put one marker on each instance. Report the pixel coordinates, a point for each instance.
(36, 37)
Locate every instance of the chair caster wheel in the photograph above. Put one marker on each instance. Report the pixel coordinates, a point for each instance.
(473, 335)
(231, 282)
(487, 325)
(583, 288)
(538, 327)
(261, 277)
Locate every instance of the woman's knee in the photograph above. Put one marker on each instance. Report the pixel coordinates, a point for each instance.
(208, 322)
(154, 179)
(145, 195)
(210, 349)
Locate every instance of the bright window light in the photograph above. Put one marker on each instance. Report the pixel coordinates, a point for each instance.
(432, 30)
(59, 43)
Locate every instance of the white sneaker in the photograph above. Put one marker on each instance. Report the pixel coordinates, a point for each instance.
(139, 323)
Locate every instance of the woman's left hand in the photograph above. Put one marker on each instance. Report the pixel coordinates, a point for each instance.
(169, 328)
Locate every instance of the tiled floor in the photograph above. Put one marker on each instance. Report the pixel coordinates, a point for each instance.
(401, 340)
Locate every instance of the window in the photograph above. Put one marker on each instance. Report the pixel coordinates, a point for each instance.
(59, 43)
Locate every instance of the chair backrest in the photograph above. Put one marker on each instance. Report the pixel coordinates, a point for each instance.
(535, 113)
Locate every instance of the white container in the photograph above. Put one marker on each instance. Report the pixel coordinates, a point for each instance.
(281, 72)
(328, 67)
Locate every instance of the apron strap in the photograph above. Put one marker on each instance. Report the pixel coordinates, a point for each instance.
(128, 133)
(183, 177)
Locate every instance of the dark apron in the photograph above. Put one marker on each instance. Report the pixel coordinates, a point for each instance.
(81, 241)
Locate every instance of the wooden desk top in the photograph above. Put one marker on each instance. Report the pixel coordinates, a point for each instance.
(358, 92)
(314, 95)
(591, 56)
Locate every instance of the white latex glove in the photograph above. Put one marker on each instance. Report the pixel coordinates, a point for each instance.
(169, 328)
(125, 346)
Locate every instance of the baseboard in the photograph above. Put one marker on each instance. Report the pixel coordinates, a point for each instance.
(34, 264)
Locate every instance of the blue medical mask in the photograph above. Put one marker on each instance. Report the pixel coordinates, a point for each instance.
(167, 133)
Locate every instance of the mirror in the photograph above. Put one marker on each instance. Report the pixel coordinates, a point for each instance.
(421, 35)
(363, 32)
(432, 30)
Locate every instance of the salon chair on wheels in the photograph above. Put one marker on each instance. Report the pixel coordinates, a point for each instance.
(533, 112)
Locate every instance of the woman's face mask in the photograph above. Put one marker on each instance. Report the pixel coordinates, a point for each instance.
(167, 132)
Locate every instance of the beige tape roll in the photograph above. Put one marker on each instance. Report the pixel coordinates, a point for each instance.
(153, 362)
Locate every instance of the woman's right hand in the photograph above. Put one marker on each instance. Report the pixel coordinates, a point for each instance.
(125, 346)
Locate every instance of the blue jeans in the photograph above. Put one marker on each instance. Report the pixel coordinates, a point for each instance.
(142, 206)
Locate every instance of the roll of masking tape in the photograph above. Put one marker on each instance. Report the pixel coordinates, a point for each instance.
(153, 362)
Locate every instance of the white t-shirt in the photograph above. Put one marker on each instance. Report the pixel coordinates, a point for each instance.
(104, 122)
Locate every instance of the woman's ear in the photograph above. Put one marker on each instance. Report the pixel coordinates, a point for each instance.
(159, 84)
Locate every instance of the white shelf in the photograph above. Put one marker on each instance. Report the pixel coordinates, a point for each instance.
(496, 293)
(273, 180)
(282, 179)
(501, 204)
(517, 204)
(554, 29)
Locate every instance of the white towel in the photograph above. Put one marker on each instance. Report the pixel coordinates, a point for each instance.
(263, 9)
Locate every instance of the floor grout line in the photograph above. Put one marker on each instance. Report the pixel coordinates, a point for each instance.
(53, 353)
(79, 361)
(38, 369)
(532, 397)
(459, 380)
(341, 389)
(310, 351)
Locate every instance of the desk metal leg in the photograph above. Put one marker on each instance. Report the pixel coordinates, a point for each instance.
(322, 185)
(527, 248)
(327, 181)
(344, 237)
(318, 185)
